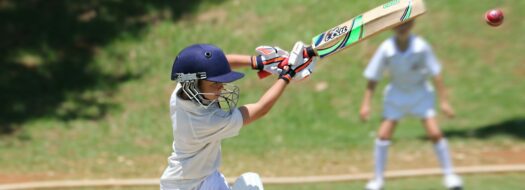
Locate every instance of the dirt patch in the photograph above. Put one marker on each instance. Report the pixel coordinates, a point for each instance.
(519, 71)
(19, 178)
(351, 162)
(213, 16)
(506, 156)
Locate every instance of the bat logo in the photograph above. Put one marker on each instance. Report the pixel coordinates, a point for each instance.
(391, 3)
(336, 32)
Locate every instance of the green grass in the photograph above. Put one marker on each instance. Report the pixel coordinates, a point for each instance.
(307, 132)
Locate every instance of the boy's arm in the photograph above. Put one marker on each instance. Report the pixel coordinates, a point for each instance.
(252, 112)
(266, 62)
(443, 96)
(364, 113)
(237, 61)
(268, 56)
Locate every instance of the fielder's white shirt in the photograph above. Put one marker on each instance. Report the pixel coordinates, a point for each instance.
(409, 70)
(197, 136)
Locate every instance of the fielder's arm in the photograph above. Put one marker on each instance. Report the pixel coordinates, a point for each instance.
(366, 107)
(443, 96)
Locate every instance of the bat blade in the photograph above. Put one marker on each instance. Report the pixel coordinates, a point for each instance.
(373, 22)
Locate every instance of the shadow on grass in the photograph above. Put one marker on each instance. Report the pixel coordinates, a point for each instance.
(47, 50)
(514, 128)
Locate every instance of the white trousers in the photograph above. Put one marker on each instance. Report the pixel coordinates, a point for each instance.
(398, 103)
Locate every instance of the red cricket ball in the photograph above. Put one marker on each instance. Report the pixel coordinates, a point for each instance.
(494, 17)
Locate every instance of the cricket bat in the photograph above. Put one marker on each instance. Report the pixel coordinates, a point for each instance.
(359, 28)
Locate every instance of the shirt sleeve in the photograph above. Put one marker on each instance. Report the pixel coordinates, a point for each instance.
(219, 127)
(173, 99)
(432, 62)
(374, 70)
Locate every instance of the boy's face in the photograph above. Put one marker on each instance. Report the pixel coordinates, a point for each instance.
(211, 90)
(403, 31)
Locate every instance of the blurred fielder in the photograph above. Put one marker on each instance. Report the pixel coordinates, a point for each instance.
(203, 112)
(410, 62)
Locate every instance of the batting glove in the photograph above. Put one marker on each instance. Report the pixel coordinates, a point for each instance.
(269, 60)
(302, 61)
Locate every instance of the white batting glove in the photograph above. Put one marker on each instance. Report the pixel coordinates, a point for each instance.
(300, 62)
(308, 70)
(269, 60)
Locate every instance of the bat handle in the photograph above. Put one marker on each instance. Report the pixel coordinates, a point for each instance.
(309, 52)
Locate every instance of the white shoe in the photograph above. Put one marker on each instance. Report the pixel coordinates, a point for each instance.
(375, 184)
(453, 182)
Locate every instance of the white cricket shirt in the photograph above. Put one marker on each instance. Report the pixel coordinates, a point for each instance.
(409, 70)
(197, 135)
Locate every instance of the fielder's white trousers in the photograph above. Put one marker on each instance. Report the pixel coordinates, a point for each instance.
(399, 103)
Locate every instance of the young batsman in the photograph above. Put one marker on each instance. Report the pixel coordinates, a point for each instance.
(203, 112)
(410, 62)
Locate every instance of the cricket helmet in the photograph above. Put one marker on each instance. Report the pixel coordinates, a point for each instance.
(206, 62)
(204, 58)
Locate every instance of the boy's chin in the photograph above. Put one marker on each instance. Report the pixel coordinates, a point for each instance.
(212, 98)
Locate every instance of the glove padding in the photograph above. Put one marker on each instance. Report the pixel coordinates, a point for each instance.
(269, 60)
(301, 63)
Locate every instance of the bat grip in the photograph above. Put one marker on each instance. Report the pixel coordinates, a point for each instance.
(309, 52)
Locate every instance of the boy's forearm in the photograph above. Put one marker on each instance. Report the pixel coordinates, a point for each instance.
(252, 112)
(270, 97)
(237, 60)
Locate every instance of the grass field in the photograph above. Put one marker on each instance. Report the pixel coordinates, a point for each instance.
(485, 182)
(123, 130)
